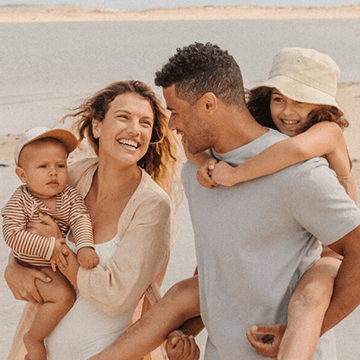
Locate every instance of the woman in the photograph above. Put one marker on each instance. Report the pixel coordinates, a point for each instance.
(125, 125)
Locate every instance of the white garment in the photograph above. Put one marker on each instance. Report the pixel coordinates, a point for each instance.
(85, 330)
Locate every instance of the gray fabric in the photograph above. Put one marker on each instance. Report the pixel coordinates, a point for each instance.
(252, 242)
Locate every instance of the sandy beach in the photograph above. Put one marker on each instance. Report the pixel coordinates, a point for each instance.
(32, 13)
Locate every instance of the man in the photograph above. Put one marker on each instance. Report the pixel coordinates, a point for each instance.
(251, 239)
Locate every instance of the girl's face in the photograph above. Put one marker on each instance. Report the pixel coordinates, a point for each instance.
(125, 132)
(289, 115)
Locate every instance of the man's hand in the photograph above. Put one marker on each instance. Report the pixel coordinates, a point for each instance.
(258, 336)
(203, 174)
(87, 257)
(181, 347)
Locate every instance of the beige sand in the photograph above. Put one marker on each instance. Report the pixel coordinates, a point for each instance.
(75, 13)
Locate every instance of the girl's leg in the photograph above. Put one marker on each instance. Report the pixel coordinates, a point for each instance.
(58, 296)
(178, 305)
(306, 311)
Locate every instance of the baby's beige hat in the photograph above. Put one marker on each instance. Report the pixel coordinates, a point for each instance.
(65, 136)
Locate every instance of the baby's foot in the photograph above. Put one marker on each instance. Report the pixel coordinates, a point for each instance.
(35, 348)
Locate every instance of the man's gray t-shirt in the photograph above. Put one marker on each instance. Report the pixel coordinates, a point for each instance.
(251, 240)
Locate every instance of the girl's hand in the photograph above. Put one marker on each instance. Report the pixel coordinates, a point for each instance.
(181, 347)
(203, 174)
(257, 336)
(223, 174)
(21, 281)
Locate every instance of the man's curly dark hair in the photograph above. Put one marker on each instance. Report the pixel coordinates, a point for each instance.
(197, 69)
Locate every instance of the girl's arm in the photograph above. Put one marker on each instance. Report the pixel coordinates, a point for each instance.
(322, 139)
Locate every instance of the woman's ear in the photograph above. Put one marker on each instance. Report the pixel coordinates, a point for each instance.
(96, 126)
(20, 172)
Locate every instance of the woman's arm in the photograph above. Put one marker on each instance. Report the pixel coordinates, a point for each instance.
(321, 139)
(21, 281)
(143, 252)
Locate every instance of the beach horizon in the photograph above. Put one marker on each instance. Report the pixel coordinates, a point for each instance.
(69, 13)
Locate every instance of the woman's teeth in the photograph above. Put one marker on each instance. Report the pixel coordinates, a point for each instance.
(129, 143)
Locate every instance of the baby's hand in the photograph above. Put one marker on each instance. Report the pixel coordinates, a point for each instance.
(203, 175)
(223, 174)
(266, 339)
(181, 347)
(87, 257)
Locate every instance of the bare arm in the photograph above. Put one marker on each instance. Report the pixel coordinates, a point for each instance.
(321, 139)
(21, 281)
(179, 304)
(346, 295)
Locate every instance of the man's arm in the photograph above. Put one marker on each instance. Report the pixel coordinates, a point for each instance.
(346, 295)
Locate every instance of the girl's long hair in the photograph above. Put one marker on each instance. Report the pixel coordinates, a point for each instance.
(258, 103)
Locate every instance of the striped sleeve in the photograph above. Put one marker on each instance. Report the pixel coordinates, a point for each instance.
(16, 214)
(79, 220)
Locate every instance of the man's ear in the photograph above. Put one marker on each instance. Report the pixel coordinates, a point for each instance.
(209, 102)
(20, 172)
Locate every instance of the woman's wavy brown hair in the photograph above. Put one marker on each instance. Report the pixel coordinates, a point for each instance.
(159, 161)
(258, 103)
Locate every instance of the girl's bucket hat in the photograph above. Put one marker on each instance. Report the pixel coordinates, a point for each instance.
(304, 75)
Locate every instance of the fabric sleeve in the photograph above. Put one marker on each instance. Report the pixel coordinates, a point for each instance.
(79, 221)
(349, 184)
(320, 204)
(143, 252)
(15, 234)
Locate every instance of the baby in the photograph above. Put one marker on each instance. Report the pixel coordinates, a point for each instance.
(41, 164)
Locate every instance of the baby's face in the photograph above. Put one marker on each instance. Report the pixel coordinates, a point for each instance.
(43, 167)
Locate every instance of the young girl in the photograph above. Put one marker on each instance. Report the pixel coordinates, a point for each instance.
(299, 100)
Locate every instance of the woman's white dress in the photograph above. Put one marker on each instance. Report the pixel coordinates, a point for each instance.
(85, 330)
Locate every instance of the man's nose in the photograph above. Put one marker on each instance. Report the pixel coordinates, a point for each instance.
(172, 123)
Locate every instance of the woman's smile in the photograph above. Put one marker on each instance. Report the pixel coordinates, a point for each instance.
(129, 144)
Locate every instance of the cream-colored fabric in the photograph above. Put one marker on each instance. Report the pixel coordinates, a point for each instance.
(304, 75)
(144, 229)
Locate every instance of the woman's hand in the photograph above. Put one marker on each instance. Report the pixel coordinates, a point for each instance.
(258, 336)
(21, 281)
(71, 268)
(48, 227)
